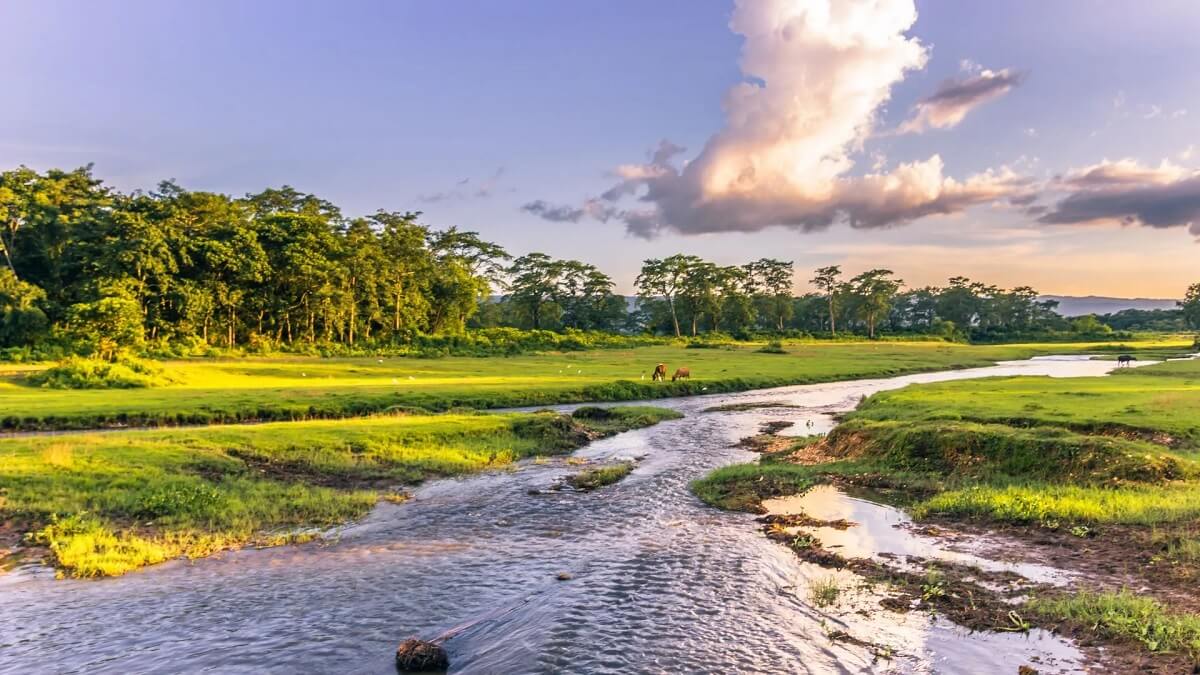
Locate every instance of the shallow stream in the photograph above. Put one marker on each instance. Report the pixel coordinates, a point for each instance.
(659, 582)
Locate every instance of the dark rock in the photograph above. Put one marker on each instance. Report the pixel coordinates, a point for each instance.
(418, 656)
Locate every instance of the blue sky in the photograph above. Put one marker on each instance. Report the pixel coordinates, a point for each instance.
(469, 110)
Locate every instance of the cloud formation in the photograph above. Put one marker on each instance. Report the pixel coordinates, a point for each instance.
(1129, 193)
(816, 74)
(954, 98)
(565, 213)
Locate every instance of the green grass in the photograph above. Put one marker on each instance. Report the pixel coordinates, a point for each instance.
(299, 388)
(742, 487)
(1120, 449)
(592, 479)
(1123, 615)
(1055, 505)
(105, 503)
(1159, 398)
(824, 592)
(963, 451)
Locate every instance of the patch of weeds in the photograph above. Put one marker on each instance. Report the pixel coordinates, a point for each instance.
(599, 477)
(934, 586)
(824, 592)
(1124, 615)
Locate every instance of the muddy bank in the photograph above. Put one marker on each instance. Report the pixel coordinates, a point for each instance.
(966, 575)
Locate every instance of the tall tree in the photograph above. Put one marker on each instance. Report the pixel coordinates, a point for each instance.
(770, 281)
(828, 281)
(874, 290)
(1191, 306)
(664, 278)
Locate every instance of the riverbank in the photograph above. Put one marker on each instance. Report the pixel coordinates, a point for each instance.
(105, 504)
(1098, 476)
(226, 391)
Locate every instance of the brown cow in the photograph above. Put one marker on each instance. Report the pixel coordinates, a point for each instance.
(682, 374)
(660, 373)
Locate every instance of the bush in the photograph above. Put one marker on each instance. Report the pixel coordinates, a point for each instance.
(773, 347)
(81, 373)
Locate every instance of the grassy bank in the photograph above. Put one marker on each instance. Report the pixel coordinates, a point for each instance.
(1111, 461)
(276, 389)
(107, 503)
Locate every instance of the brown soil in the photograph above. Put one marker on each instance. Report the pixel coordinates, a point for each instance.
(740, 407)
(775, 426)
(1109, 559)
(956, 592)
(804, 520)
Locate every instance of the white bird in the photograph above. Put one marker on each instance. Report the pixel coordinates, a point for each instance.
(411, 377)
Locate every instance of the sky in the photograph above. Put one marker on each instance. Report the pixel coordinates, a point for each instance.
(1051, 144)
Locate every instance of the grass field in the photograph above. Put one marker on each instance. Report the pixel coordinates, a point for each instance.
(215, 391)
(1118, 449)
(105, 503)
(1159, 398)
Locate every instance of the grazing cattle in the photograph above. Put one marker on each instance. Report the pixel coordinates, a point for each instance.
(660, 373)
(682, 374)
(1125, 360)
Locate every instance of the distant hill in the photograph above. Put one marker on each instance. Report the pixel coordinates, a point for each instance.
(1070, 305)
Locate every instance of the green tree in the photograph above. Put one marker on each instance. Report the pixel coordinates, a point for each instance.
(827, 280)
(533, 283)
(874, 291)
(22, 322)
(664, 279)
(107, 325)
(1191, 306)
(770, 282)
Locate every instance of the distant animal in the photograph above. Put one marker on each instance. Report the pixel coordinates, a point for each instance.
(1125, 360)
(681, 374)
(660, 372)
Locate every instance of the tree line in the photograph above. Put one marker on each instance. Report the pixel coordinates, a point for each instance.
(99, 269)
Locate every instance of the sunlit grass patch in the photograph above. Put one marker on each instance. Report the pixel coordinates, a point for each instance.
(1124, 615)
(301, 388)
(106, 503)
(1041, 503)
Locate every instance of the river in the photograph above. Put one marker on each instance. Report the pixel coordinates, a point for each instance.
(659, 582)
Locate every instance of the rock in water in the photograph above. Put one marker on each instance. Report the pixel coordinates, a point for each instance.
(418, 656)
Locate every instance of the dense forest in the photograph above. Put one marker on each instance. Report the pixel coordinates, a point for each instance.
(91, 269)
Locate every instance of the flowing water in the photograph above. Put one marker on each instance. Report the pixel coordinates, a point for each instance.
(659, 582)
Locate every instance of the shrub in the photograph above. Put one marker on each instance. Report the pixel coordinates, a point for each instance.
(773, 347)
(82, 373)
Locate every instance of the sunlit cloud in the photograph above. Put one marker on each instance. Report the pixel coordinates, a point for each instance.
(816, 76)
(955, 98)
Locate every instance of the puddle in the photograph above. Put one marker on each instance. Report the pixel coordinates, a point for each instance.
(885, 532)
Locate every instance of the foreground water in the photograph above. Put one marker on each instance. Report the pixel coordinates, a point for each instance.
(659, 582)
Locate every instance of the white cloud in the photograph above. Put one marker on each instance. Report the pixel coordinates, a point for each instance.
(817, 73)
